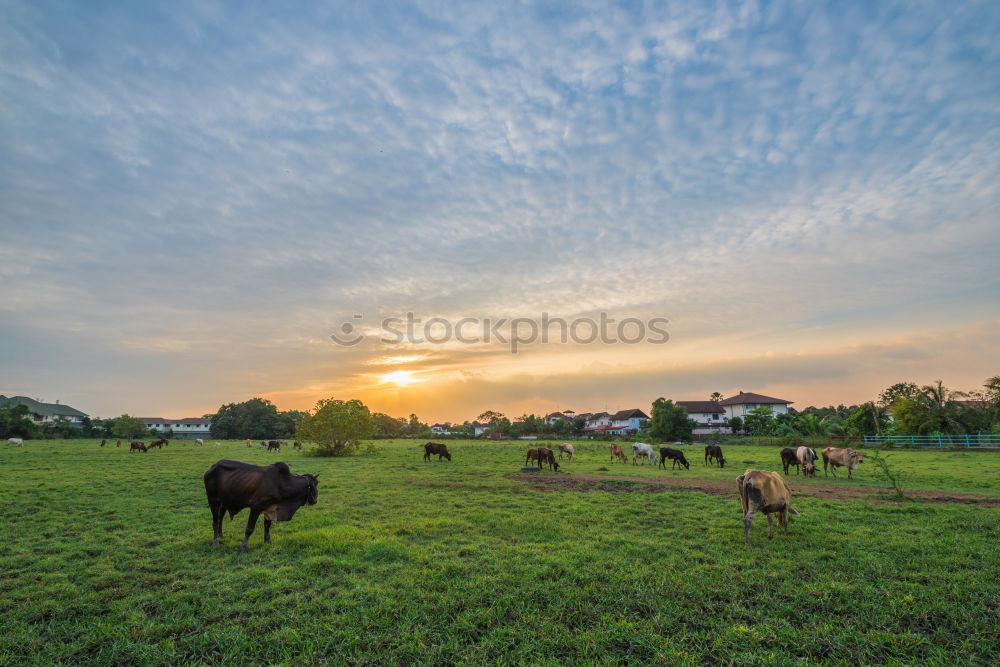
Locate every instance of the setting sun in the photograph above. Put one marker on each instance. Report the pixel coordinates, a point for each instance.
(400, 378)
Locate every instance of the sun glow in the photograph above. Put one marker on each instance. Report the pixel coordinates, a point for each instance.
(400, 378)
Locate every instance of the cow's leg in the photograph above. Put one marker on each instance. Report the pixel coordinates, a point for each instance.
(217, 513)
(770, 527)
(267, 530)
(251, 523)
(849, 472)
(747, 522)
(783, 520)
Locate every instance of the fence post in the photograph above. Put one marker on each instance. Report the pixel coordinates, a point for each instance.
(967, 443)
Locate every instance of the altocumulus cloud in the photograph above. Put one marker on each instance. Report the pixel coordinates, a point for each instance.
(202, 190)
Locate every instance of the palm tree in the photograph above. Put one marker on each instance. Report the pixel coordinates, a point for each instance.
(940, 411)
(716, 396)
(812, 425)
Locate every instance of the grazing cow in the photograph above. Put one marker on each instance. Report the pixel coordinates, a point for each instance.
(248, 443)
(263, 444)
(806, 458)
(298, 445)
(138, 447)
(714, 452)
(218, 444)
(273, 444)
(102, 442)
(199, 441)
(269, 490)
(17, 442)
(157, 443)
(431, 448)
(847, 457)
(675, 455)
(566, 448)
(118, 443)
(543, 455)
(617, 453)
(789, 458)
(641, 450)
(762, 491)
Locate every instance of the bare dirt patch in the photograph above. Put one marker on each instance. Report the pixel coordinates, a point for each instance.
(620, 484)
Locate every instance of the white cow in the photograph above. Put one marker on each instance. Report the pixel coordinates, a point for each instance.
(16, 441)
(641, 450)
(566, 448)
(199, 441)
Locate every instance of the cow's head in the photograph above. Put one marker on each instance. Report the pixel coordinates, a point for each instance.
(555, 466)
(312, 490)
(857, 458)
(686, 464)
(809, 469)
(722, 462)
(447, 454)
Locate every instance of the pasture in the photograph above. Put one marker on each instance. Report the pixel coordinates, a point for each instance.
(106, 558)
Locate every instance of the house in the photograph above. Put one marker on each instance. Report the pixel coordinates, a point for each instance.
(742, 403)
(441, 429)
(629, 421)
(478, 429)
(189, 427)
(45, 413)
(709, 416)
(598, 419)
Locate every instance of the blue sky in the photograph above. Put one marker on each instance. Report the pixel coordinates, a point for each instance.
(194, 195)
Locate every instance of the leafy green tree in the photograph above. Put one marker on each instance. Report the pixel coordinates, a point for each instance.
(760, 422)
(15, 423)
(933, 410)
(388, 427)
(491, 417)
(890, 395)
(338, 427)
(257, 419)
(129, 427)
(867, 419)
(735, 425)
(670, 421)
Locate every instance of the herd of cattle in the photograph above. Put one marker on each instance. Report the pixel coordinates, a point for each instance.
(276, 493)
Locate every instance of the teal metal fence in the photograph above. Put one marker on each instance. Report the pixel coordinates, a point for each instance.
(968, 441)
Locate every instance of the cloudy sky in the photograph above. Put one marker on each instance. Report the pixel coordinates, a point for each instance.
(195, 196)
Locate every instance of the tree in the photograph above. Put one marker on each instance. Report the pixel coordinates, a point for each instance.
(15, 423)
(490, 417)
(933, 410)
(338, 427)
(129, 427)
(715, 397)
(257, 419)
(760, 422)
(670, 422)
(992, 387)
(867, 419)
(890, 395)
(736, 425)
(386, 426)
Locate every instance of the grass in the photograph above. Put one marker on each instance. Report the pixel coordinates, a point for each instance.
(107, 559)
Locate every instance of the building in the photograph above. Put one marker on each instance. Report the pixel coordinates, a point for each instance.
(742, 403)
(441, 429)
(566, 415)
(709, 416)
(629, 421)
(189, 427)
(45, 413)
(598, 419)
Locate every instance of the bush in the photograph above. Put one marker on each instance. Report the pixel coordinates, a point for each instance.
(337, 427)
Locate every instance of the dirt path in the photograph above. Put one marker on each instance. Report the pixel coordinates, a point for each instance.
(622, 484)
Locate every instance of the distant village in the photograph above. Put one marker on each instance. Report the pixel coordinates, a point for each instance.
(709, 417)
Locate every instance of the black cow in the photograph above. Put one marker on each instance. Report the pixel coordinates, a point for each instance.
(714, 452)
(296, 445)
(432, 448)
(789, 458)
(269, 490)
(273, 444)
(137, 447)
(676, 455)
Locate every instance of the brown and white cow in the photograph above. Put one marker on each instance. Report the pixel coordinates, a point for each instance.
(617, 453)
(763, 491)
(847, 457)
(807, 459)
(567, 449)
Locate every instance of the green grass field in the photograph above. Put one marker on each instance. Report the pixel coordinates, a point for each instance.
(107, 559)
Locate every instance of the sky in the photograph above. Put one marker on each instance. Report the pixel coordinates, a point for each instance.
(196, 196)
